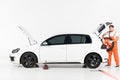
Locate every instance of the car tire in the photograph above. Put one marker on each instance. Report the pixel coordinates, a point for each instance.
(28, 60)
(93, 60)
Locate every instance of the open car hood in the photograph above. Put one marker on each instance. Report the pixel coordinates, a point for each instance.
(30, 38)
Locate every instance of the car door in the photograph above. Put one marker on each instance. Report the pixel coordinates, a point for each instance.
(79, 46)
(53, 49)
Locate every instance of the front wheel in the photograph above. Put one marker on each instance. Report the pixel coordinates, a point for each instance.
(93, 60)
(28, 60)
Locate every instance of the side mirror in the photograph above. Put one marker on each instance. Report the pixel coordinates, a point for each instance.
(44, 43)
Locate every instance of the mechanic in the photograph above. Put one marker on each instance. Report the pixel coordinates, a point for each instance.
(114, 37)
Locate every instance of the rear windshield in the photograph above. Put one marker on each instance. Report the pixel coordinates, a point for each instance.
(102, 26)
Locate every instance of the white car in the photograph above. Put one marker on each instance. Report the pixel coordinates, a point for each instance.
(63, 48)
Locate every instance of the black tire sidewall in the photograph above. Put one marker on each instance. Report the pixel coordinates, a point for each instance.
(28, 66)
(87, 62)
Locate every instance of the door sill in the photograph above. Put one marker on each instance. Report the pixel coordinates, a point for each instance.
(62, 63)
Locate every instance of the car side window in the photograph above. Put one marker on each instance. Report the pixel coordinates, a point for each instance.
(80, 39)
(88, 39)
(58, 40)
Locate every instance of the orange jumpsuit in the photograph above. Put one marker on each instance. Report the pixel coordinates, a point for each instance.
(114, 51)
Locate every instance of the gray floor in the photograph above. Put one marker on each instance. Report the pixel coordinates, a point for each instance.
(11, 71)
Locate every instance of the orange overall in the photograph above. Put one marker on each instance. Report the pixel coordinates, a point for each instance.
(114, 51)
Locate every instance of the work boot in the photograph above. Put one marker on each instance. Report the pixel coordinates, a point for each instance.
(107, 65)
(116, 66)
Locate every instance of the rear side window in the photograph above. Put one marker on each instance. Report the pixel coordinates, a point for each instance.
(56, 40)
(80, 39)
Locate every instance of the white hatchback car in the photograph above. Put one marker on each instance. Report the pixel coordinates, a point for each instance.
(63, 48)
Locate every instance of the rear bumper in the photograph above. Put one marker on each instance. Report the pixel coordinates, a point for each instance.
(105, 60)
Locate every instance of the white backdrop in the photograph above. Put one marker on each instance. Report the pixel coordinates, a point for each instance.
(48, 17)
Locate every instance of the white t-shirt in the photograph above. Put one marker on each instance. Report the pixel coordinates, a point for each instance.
(114, 33)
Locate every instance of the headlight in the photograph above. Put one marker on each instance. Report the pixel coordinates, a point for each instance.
(15, 50)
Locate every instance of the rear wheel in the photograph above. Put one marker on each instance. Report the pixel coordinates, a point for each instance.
(28, 60)
(93, 60)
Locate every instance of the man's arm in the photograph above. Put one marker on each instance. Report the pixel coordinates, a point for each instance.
(116, 39)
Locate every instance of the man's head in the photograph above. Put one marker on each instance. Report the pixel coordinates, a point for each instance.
(111, 28)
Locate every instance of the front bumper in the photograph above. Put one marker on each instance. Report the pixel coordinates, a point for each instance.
(12, 58)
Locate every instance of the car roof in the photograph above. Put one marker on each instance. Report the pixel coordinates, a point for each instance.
(71, 34)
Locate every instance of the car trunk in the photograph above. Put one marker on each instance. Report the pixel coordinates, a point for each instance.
(101, 29)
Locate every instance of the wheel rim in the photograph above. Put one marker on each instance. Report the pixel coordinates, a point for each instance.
(28, 60)
(93, 60)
